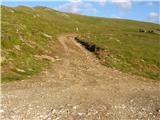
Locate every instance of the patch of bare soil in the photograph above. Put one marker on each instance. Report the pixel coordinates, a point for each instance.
(78, 87)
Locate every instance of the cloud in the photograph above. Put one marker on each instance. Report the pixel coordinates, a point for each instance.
(153, 17)
(88, 7)
(71, 6)
(124, 4)
(115, 16)
(152, 3)
(102, 2)
(77, 6)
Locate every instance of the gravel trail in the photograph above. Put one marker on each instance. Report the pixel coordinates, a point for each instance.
(78, 87)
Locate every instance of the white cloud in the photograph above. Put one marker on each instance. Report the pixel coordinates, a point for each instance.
(88, 7)
(77, 6)
(115, 16)
(124, 4)
(102, 2)
(153, 17)
(71, 6)
(152, 3)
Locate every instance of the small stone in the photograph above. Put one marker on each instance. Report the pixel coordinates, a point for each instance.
(20, 70)
(75, 107)
(46, 35)
(56, 57)
(123, 106)
(131, 100)
(80, 114)
(12, 11)
(1, 111)
(143, 109)
(45, 57)
(17, 47)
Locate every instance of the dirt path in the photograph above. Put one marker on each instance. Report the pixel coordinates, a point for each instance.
(79, 88)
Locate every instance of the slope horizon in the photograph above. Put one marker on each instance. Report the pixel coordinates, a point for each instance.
(79, 14)
(128, 9)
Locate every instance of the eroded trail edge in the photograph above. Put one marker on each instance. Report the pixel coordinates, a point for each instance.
(79, 87)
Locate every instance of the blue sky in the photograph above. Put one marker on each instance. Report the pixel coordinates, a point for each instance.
(147, 10)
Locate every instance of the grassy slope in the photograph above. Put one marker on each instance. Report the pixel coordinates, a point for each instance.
(124, 48)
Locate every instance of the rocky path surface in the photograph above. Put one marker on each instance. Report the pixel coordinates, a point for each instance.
(78, 87)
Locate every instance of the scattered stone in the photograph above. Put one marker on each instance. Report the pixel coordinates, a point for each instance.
(46, 35)
(80, 114)
(57, 57)
(20, 70)
(117, 40)
(1, 111)
(3, 58)
(158, 110)
(34, 16)
(45, 57)
(30, 98)
(65, 15)
(75, 107)
(17, 47)
(30, 69)
(12, 11)
(17, 31)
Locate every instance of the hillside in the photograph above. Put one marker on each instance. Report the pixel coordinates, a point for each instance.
(79, 87)
(73, 67)
(31, 32)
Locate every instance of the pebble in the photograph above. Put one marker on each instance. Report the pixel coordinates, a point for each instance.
(1, 111)
(75, 107)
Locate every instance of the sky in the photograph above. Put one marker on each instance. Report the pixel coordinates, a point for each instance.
(141, 10)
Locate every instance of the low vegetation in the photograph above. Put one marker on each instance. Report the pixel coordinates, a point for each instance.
(29, 32)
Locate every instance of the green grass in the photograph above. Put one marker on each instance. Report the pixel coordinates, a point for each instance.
(125, 48)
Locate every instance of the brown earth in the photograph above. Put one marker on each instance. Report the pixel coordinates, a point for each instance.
(78, 87)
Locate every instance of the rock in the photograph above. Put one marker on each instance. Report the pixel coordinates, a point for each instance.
(45, 57)
(75, 107)
(20, 70)
(1, 111)
(12, 11)
(118, 40)
(64, 15)
(17, 47)
(37, 15)
(3, 58)
(46, 35)
(80, 114)
(158, 110)
(57, 58)
(30, 69)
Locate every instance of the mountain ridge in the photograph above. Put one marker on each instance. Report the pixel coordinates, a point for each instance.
(43, 7)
